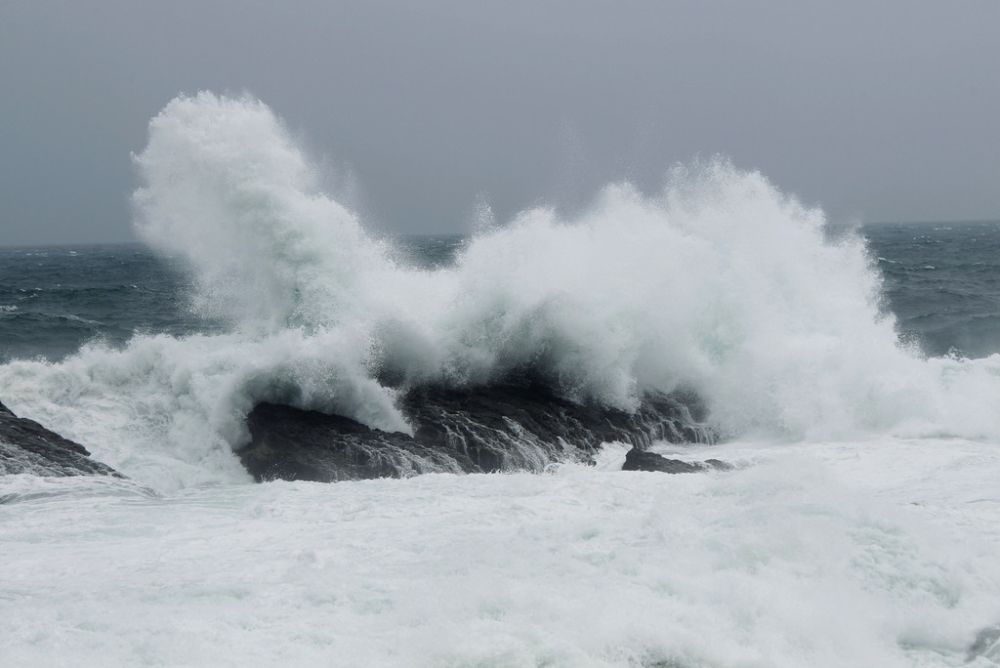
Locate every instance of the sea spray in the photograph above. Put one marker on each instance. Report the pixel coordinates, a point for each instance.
(719, 284)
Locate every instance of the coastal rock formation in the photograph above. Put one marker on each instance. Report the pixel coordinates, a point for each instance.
(28, 447)
(641, 460)
(497, 428)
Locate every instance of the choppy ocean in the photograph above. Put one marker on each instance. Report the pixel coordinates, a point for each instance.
(853, 379)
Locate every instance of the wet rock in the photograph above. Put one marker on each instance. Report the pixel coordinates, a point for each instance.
(640, 460)
(498, 428)
(292, 444)
(28, 447)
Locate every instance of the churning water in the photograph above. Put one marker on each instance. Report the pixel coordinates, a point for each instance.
(853, 374)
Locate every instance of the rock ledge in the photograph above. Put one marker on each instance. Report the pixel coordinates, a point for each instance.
(28, 447)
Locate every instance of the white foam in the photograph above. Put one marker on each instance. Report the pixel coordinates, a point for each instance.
(827, 555)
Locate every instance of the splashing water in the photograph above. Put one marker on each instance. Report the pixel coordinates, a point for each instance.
(719, 283)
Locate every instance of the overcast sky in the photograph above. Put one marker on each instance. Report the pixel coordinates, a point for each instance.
(886, 110)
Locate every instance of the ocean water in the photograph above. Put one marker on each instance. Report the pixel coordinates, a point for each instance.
(854, 376)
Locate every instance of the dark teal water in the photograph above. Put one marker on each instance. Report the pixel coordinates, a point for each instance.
(52, 300)
(943, 284)
(941, 281)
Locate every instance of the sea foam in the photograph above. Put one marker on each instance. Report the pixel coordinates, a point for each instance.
(814, 555)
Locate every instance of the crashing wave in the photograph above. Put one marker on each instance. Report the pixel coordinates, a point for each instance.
(718, 284)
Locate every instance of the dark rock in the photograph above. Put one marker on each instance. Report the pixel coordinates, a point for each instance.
(292, 444)
(640, 460)
(28, 447)
(498, 428)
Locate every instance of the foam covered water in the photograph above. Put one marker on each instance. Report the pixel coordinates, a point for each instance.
(839, 554)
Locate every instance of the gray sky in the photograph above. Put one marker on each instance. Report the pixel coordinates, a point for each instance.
(882, 110)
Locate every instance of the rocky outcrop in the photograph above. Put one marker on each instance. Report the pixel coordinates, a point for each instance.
(498, 428)
(292, 444)
(641, 460)
(28, 447)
